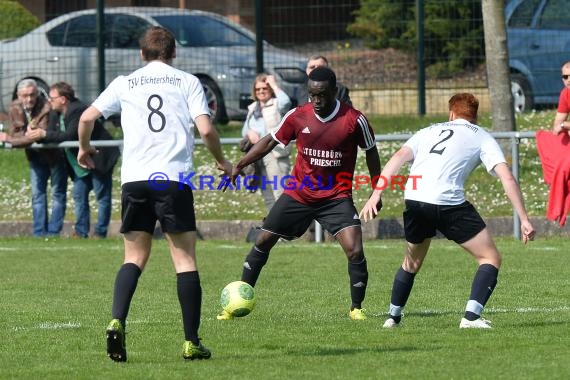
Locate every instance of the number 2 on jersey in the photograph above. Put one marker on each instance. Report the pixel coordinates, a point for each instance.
(434, 149)
(154, 113)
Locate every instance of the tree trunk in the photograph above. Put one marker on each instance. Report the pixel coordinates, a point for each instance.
(497, 60)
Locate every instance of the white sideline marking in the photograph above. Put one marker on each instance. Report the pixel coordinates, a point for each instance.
(50, 326)
(500, 310)
(56, 325)
(224, 246)
(543, 248)
(531, 310)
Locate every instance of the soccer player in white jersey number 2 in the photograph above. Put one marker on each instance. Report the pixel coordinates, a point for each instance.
(328, 134)
(159, 106)
(443, 156)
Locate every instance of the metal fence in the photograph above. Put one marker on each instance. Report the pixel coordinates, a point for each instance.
(383, 51)
(512, 137)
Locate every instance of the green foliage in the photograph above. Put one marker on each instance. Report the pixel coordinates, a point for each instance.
(385, 23)
(453, 31)
(56, 303)
(16, 20)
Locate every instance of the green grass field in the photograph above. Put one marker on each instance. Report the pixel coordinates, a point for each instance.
(56, 301)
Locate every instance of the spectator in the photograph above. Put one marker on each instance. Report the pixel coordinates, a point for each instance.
(560, 120)
(553, 149)
(327, 133)
(320, 61)
(443, 156)
(65, 121)
(263, 115)
(29, 111)
(158, 117)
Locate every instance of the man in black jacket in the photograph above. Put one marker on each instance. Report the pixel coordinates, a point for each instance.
(318, 61)
(64, 121)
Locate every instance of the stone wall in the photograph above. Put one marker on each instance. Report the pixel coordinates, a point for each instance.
(237, 230)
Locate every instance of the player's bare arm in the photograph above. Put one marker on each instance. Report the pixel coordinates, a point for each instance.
(86, 125)
(259, 150)
(374, 169)
(513, 192)
(370, 209)
(211, 139)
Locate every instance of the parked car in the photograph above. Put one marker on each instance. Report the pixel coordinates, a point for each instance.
(218, 51)
(538, 33)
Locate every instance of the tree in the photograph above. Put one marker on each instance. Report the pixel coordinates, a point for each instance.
(497, 60)
(16, 20)
(453, 31)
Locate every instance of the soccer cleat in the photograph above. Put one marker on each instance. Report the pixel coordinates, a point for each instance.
(224, 316)
(190, 351)
(357, 314)
(390, 324)
(116, 347)
(479, 323)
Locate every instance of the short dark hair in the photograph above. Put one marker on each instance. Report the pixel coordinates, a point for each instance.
(64, 89)
(158, 43)
(323, 74)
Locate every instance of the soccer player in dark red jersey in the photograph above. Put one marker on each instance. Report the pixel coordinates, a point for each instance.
(328, 134)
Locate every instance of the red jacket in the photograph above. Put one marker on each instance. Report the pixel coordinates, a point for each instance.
(554, 153)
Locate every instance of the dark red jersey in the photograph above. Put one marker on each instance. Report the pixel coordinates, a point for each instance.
(326, 149)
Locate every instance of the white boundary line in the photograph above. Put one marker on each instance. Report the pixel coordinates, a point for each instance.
(517, 310)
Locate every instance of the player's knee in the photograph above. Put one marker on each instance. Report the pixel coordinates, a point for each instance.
(494, 259)
(355, 255)
(489, 256)
(266, 240)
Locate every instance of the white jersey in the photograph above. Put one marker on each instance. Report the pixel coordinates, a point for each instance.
(158, 104)
(444, 156)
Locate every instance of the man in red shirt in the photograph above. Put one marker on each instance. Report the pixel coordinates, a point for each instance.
(563, 110)
(328, 134)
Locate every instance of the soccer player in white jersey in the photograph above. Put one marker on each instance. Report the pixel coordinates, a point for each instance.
(327, 134)
(443, 156)
(159, 107)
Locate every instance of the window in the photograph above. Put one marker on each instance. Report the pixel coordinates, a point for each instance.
(81, 32)
(126, 30)
(56, 35)
(522, 16)
(200, 31)
(554, 15)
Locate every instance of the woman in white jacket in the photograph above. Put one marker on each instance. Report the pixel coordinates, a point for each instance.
(264, 114)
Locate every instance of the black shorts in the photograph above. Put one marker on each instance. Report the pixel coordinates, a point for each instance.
(458, 223)
(142, 206)
(290, 219)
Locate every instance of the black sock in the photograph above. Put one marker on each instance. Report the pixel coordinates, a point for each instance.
(253, 264)
(190, 297)
(125, 286)
(482, 287)
(401, 289)
(358, 276)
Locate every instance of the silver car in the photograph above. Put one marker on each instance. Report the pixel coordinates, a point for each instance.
(218, 51)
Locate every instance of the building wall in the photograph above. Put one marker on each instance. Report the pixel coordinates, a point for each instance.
(285, 22)
(45, 10)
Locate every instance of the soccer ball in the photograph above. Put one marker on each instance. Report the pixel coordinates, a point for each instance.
(238, 298)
